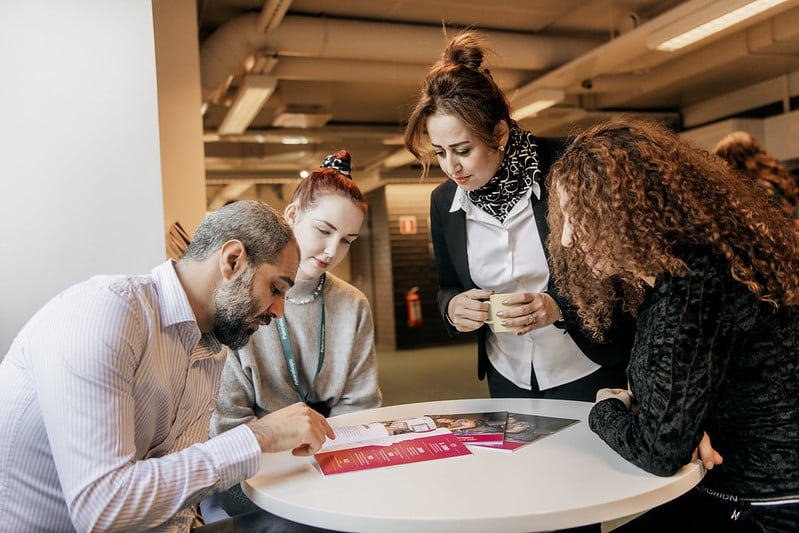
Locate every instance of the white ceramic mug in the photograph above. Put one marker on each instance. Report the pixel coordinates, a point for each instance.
(495, 305)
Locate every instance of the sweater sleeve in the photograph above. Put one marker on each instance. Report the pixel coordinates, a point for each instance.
(686, 332)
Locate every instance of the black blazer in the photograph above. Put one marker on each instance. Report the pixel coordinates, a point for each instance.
(449, 247)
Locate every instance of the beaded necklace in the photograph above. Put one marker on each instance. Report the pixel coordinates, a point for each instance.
(313, 296)
(285, 342)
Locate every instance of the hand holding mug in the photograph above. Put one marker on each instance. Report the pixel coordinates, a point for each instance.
(468, 310)
(522, 312)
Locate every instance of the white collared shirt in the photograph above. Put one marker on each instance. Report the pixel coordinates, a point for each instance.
(509, 257)
(106, 397)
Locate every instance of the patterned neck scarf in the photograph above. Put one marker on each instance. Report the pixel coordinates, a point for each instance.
(515, 176)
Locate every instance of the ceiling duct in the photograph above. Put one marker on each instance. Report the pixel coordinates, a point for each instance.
(224, 52)
(301, 116)
(627, 56)
(302, 106)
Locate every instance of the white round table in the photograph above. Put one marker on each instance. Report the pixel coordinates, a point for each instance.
(565, 480)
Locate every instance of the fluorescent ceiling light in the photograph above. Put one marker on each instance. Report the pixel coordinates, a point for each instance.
(250, 98)
(290, 119)
(294, 139)
(706, 21)
(539, 99)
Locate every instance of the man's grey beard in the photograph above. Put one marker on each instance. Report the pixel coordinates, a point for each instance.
(234, 311)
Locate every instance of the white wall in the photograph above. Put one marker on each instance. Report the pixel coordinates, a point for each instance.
(782, 135)
(779, 134)
(706, 137)
(79, 148)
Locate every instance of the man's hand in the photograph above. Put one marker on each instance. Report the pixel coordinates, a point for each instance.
(467, 311)
(706, 453)
(296, 427)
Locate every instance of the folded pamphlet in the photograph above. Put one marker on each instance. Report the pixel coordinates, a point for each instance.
(484, 429)
(390, 443)
(522, 429)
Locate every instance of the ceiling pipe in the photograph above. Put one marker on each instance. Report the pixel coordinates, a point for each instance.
(381, 41)
(731, 103)
(272, 15)
(373, 72)
(224, 52)
(231, 191)
(748, 43)
(627, 54)
(260, 179)
(396, 159)
(384, 134)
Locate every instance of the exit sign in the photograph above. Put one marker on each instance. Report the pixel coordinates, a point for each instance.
(407, 225)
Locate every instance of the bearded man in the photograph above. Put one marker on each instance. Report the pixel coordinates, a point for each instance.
(106, 393)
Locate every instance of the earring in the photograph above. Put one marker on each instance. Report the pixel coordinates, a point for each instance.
(501, 148)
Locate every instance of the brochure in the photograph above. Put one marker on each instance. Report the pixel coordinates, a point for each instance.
(390, 443)
(484, 429)
(522, 429)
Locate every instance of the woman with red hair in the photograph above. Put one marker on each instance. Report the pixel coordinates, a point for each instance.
(322, 350)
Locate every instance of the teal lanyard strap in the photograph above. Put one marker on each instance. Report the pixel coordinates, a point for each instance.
(288, 353)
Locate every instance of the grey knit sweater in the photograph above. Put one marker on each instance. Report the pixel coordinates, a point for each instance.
(256, 381)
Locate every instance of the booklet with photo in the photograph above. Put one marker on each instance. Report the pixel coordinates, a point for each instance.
(390, 443)
(522, 429)
(484, 429)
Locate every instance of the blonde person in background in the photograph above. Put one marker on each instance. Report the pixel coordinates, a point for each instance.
(488, 223)
(748, 158)
(322, 351)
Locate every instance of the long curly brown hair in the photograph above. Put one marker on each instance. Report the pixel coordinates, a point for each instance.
(632, 191)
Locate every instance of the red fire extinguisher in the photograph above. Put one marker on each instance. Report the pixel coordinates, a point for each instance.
(414, 306)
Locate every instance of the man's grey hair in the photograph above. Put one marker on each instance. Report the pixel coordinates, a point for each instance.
(263, 231)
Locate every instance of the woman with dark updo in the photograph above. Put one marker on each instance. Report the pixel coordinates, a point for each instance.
(482, 220)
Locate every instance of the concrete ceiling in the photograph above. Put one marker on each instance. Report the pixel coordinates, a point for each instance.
(356, 66)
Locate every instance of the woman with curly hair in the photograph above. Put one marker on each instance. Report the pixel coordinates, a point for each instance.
(746, 156)
(712, 273)
(480, 218)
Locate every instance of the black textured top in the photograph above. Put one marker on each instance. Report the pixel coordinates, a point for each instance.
(709, 356)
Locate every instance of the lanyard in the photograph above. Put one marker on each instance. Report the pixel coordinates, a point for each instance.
(288, 353)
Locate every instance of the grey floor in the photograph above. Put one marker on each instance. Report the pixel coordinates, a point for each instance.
(446, 372)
